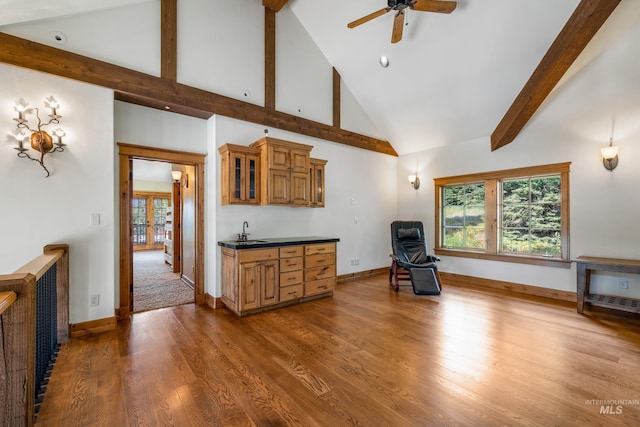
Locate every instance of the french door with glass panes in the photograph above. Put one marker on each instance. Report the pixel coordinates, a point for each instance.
(149, 217)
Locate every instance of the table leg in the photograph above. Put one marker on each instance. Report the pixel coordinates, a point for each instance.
(582, 286)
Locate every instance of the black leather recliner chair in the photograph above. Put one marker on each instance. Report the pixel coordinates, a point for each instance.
(411, 260)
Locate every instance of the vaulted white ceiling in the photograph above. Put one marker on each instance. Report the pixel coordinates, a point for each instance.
(450, 79)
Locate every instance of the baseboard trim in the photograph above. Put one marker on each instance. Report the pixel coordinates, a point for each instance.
(362, 274)
(93, 327)
(213, 302)
(467, 281)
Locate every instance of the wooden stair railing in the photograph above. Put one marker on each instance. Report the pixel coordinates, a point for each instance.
(18, 331)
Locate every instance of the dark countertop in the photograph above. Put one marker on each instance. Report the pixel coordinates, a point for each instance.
(276, 242)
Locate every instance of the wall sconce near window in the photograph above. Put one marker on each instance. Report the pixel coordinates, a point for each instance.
(39, 140)
(414, 181)
(609, 156)
(177, 177)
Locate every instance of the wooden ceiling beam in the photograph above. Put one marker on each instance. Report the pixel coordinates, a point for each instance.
(583, 24)
(269, 58)
(274, 5)
(169, 39)
(156, 92)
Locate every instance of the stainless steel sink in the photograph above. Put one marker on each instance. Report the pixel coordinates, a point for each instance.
(250, 242)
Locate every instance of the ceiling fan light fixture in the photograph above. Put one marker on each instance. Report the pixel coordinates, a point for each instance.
(384, 61)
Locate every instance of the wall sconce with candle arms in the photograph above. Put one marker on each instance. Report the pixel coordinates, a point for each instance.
(39, 140)
(609, 156)
(177, 177)
(414, 181)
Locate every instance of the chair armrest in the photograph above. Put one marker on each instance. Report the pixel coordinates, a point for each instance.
(433, 258)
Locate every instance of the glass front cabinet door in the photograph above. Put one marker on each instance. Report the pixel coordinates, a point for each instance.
(317, 182)
(240, 168)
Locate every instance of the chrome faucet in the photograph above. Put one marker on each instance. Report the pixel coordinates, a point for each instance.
(243, 237)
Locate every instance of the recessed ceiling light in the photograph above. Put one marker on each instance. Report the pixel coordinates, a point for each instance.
(59, 37)
(166, 107)
(384, 61)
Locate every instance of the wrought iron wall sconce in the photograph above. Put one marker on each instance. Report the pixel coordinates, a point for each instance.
(177, 177)
(414, 181)
(609, 156)
(39, 139)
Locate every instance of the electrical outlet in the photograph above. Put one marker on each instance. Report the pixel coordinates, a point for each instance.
(95, 300)
(355, 261)
(623, 284)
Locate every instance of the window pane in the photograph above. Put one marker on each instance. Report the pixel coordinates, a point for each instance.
(515, 191)
(515, 240)
(475, 238)
(545, 190)
(545, 216)
(531, 216)
(454, 216)
(453, 237)
(546, 242)
(463, 216)
(515, 216)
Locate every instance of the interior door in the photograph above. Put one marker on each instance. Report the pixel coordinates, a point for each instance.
(149, 211)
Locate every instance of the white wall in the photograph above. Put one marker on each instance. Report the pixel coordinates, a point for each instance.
(133, 43)
(599, 101)
(37, 211)
(303, 88)
(221, 47)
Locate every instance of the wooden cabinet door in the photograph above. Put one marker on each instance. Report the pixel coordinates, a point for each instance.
(244, 178)
(278, 187)
(317, 183)
(279, 158)
(299, 160)
(252, 179)
(270, 286)
(250, 279)
(300, 188)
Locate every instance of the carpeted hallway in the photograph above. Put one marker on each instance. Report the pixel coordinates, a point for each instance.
(155, 285)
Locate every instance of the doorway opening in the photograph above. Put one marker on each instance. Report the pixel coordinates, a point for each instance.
(158, 279)
(149, 234)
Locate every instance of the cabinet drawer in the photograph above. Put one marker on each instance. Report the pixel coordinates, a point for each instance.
(290, 278)
(251, 255)
(290, 264)
(319, 260)
(319, 287)
(291, 292)
(291, 251)
(318, 273)
(323, 248)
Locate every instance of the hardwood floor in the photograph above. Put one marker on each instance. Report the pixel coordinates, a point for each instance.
(367, 356)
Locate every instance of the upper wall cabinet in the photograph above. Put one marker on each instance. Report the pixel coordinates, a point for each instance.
(240, 168)
(285, 175)
(271, 172)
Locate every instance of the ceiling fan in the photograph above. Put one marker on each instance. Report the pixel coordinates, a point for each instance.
(439, 6)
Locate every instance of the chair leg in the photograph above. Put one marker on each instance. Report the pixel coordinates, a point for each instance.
(394, 274)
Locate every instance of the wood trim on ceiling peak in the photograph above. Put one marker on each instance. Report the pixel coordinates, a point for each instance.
(166, 94)
(583, 24)
(274, 5)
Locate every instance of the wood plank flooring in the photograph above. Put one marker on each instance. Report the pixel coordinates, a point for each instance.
(368, 356)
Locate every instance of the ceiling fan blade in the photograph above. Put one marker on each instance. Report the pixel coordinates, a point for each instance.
(398, 25)
(437, 6)
(368, 18)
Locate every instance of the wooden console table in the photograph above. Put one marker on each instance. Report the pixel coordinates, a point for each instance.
(586, 265)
